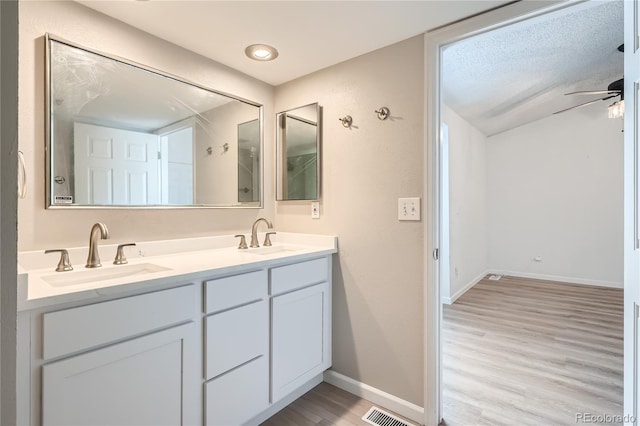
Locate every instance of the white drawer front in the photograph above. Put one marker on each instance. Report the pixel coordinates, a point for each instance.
(225, 293)
(235, 337)
(290, 277)
(238, 396)
(76, 329)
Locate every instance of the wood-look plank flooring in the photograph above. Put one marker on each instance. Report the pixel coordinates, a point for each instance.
(324, 405)
(529, 352)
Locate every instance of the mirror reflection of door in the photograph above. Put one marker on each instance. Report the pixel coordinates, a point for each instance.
(176, 165)
(249, 161)
(119, 166)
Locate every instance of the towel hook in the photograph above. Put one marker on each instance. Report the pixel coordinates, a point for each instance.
(383, 113)
(347, 120)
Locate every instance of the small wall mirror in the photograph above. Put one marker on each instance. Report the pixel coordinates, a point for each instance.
(123, 135)
(298, 149)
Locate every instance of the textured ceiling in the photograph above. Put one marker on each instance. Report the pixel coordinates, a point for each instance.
(310, 35)
(518, 74)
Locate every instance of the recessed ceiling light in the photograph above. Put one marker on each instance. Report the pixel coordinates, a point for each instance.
(261, 52)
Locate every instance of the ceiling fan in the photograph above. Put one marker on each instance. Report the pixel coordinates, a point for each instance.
(614, 90)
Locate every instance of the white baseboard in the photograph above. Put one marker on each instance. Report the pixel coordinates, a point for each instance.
(377, 396)
(463, 290)
(558, 278)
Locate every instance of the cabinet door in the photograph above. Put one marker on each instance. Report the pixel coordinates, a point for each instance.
(300, 334)
(144, 381)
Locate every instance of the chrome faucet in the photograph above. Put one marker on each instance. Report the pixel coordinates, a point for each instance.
(93, 260)
(254, 231)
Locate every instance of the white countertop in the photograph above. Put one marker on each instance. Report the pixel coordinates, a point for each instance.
(154, 264)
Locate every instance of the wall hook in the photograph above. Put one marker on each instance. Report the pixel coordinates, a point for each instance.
(383, 113)
(347, 120)
(209, 151)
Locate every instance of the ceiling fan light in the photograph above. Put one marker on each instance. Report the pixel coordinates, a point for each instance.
(616, 109)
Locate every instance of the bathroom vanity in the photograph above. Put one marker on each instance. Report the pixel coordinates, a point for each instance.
(196, 332)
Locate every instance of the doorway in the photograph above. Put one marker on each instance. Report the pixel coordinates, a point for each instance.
(435, 43)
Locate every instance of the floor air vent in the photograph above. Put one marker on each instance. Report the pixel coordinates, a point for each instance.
(376, 416)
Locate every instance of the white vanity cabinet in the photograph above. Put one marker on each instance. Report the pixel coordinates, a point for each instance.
(236, 348)
(217, 347)
(129, 361)
(301, 324)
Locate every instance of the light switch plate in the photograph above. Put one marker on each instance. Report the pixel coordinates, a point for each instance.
(409, 208)
(315, 210)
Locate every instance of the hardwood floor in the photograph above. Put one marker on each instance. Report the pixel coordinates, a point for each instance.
(324, 405)
(529, 352)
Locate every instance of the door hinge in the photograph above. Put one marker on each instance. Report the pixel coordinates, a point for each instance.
(159, 155)
(436, 254)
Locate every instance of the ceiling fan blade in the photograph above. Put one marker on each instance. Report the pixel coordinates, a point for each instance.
(594, 92)
(584, 104)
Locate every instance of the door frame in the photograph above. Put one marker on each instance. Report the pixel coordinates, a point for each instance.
(434, 42)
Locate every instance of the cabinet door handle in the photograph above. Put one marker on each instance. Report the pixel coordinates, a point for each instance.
(22, 176)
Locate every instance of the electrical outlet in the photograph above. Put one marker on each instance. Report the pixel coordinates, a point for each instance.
(409, 208)
(315, 210)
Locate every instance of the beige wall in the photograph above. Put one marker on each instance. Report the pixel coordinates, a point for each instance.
(40, 228)
(377, 287)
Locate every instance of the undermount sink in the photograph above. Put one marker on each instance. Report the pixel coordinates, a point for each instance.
(271, 250)
(101, 274)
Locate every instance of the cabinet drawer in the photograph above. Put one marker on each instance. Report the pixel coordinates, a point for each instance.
(235, 337)
(225, 293)
(290, 277)
(77, 329)
(238, 396)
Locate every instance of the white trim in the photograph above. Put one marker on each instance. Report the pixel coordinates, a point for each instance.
(463, 290)
(375, 395)
(559, 278)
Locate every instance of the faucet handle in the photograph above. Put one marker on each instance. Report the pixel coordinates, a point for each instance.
(120, 257)
(243, 242)
(267, 240)
(64, 264)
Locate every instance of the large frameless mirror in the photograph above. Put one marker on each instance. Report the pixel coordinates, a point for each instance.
(298, 152)
(123, 135)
